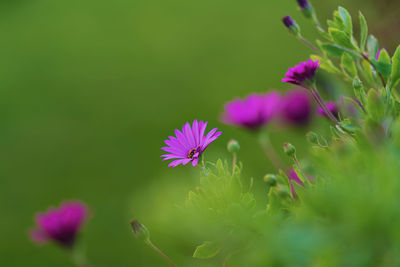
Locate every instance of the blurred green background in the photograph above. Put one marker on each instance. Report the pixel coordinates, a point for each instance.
(90, 89)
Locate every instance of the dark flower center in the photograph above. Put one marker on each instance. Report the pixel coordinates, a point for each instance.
(191, 153)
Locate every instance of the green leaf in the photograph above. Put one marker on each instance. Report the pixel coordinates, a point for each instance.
(359, 91)
(325, 64)
(334, 50)
(395, 68)
(372, 46)
(382, 66)
(375, 105)
(367, 71)
(338, 22)
(341, 38)
(346, 18)
(363, 31)
(206, 250)
(348, 65)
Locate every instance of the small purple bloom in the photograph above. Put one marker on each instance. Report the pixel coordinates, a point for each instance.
(296, 107)
(60, 225)
(333, 108)
(288, 21)
(303, 72)
(292, 175)
(303, 4)
(189, 144)
(252, 112)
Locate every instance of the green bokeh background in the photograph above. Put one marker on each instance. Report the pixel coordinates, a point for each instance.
(90, 89)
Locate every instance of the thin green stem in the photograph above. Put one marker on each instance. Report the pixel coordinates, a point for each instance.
(234, 163)
(309, 44)
(270, 152)
(156, 249)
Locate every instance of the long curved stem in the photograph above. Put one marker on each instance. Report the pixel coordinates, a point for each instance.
(307, 43)
(156, 249)
(270, 152)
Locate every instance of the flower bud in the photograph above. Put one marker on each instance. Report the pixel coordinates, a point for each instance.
(140, 231)
(305, 8)
(289, 149)
(233, 146)
(292, 26)
(270, 179)
(312, 138)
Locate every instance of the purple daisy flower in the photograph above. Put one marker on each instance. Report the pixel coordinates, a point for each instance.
(333, 108)
(302, 72)
(296, 107)
(189, 144)
(253, 111)
(60, 225)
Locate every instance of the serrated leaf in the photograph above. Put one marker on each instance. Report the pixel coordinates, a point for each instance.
(363, 31)
(206, 250)
(348, 65)
(395, 76)
(341, 38)
(325, 64)
(372, 46)
(346, 19)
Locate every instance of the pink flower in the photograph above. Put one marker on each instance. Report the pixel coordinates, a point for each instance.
(60, 225)
(252, 112)
(303, 72)
(189, 144)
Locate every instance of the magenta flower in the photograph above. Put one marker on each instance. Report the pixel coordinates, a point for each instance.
(301, 73)
(333, 108)
(253, 111)
(189, 144)
(297, 108)
(60, 225)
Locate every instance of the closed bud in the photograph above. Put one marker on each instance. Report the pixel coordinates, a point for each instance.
(270, 179)
(292, 26)
(233, 146)
(289, 149)
(305, 8)
(312, 138)
(140, 231)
